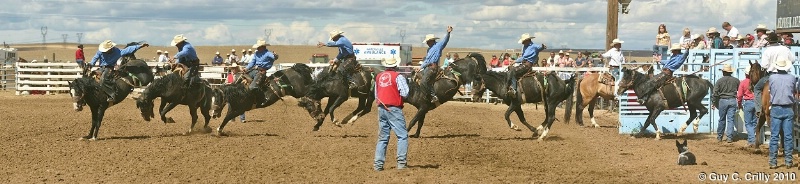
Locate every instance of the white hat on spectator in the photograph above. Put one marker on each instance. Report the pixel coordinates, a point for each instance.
(234, 65)
(616, 41)
(695, 36)
(390, 62)
(217, 53)
(761, 27)
(783, 64)
(429, 37)
(334, 33)
(178, 39)
(158, 51)
(233, 50)
(712, 30)
(747, 69)
(166, 52)
(524, 37)
(740, 37)
(106, 45)
(249, 50)
(560, 51)
(727, 68)
(675, 46)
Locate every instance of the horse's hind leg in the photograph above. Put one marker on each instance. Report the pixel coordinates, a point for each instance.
(94, 124)
(205, 109)
(702, 111)
(550, 117)
(692, 117)
(166, 109)
(521, 116)
(228, 117)
(507, 115)
(328, 106)
(193, 113)
(354, 115)
(592, 104)
(335, 105)
(100, 113)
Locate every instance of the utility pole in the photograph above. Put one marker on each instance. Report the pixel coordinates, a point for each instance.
(612, 22)
(44, 35)
(402, 35)
(267, 32)
(79, 35)
(64, 36)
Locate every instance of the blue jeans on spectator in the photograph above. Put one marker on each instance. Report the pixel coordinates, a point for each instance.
(615, 72)
(80, 62)
(241, 117)
(391, 119)
(727, 110)
(749, 109)
(661, 49)
(781, 121)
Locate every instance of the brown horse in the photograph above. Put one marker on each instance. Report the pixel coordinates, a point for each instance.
(756, 73)
(591, 86)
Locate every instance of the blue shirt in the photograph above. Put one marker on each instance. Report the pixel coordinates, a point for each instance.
(217, 59)
(782, 89)
(186, 53)
(530, 53)
(435, 51)
(402, 86)
(262, 59)
(674, 62)
(110, 58)
(345, 47)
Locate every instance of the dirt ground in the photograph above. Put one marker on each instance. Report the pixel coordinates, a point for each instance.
(461, 142)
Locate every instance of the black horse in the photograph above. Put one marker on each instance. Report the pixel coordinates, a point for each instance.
(533, 87)
(334, 86)
(170, 89)
(289, 82)
(87, 90)
(668, 97)
(460, 72)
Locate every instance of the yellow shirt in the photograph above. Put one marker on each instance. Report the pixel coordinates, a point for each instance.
(662, 39)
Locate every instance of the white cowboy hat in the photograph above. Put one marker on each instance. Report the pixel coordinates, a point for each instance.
(178, 39)
(217, 53)
(243, 51)
(429, 37)
(712, 30)
(249, 50)
(727, 68)
(761, 26)
(675, 46)
(334, 33)
(166, 52)
(234, 65)
(616, 41)
(560, 51)
(747, 69)
(740, 37)
(695, 36)
(158, 51)
(390, 62)
(524, 37)
(783, 64)
(259, 43)
(106, 45)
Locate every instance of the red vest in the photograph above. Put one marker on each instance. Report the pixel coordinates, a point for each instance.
(386, 89)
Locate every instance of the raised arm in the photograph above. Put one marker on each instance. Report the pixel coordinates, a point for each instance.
(95, 58)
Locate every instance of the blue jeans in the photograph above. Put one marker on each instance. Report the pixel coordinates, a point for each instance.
(391, 119)
(80, 62)
(615, 72)
(727, 110)
(749, 108)
(661, 49)
(781, 121)
(241, 117)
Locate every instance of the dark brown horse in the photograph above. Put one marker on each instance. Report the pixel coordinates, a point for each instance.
(756, 73)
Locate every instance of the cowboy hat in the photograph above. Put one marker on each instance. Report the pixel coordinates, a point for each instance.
(106, 45)
(243, 51)
(616, 41)
(560, 51)
(727, 68)
(429, 37)
(334, 33)
(695, 36)
(259, 43)
(217, 53)
(178, 39)
(747, 69)
(158, 51)
(740, 37)
(675, 46)
(80, 46)
(233, 50)
(524, 37)
(166, 52)
(390, 62)
(234, 65)
(712, 30)
(761, 27)
(251, 50)
(783, 64)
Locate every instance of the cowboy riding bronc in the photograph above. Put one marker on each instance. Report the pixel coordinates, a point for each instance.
(345, 53)
(187, 56)
(432, 58)
(530, 54)
(674, 63)
(107, 56)
(263, 59)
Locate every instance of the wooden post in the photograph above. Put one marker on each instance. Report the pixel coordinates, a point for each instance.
(612, 23)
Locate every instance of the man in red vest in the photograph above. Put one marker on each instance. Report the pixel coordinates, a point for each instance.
(390, 89)
(79, 56)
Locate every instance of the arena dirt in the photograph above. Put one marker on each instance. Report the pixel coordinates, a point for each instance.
(461, 142)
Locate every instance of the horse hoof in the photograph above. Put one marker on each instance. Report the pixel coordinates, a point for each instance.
(170, 120)
(93, 139)
(315, 129)
(414, 136)
(540, 139)
(207, 130)
(221, 134)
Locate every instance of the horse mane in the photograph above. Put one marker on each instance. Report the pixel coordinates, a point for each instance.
(495, 74)
(480, 59)
(160, 84)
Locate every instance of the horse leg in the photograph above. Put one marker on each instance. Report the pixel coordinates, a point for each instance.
(166, 109)
(692, 117)
(228, 117)
(419, 117)
(702, 111)
(328, 107)
(507, 115)
(521, 116)
(354, 115)
(421, 122)
(205, 109)
(412, 123)
(579, 105)
(94, 124)
(759, 134)
(550, 113)
(161, 108)
(100, 113)
(367, 107)
(336, 104)
(592, 104)
(193, 113)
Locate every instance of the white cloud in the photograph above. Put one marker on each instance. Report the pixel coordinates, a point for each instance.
(217, 33)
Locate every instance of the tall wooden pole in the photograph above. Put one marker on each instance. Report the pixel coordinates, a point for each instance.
(612, 23)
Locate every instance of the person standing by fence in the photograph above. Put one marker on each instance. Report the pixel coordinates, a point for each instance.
(724, 99)
(745, 97)
(390, 90)
(782, 89)
(771, 54)
(80, 57)
(615, 57)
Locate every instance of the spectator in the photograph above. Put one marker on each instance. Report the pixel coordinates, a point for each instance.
(447, 63)
(390, 90)
(495, 63)
(788, 39)
(552, 59)
(713, 37)
(516, 56)
(249, 56)
(663, 41)
(744, 96)
(741, 42)
(732, 32)
(544, 63)
(782, 88)
(699, 43)
(79, 56)
(615, 57)
(724, 99)
(449, 58)
(217, 60)
(166, 58)
(228, 60)
(726, 43)
(581, 60)
(686, 39)
(562, 59)
(233, 75)
(761, 36)
(506, 60)
(244, 56)
(232, 58)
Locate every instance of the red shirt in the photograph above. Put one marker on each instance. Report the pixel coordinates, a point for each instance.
(79, 55)
(386, 89)
(506, 62)
(744, 92)
(495, 62)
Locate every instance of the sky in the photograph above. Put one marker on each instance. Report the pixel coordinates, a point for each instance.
(484, 24)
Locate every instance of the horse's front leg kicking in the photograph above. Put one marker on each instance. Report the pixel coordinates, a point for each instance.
(163, 113)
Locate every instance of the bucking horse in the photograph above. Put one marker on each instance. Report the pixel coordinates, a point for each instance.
(170, 88)
(332, 84)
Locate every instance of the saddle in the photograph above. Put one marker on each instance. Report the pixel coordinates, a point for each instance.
(440, 74)
(97, 75)
(532, 74)
(179, 69)
(607, 79)
(670, 90)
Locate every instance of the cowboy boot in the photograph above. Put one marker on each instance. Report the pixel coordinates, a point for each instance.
(108, 87)
(352, 84)
(512, 85)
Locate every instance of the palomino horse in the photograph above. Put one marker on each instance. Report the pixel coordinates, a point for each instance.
(689, 90)
(533, 87)
(591, 86)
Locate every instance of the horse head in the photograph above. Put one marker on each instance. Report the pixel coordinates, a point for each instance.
(217, 102)
(628, 80)
(77, 92)
(756, 72)
(497, 80)
(312, 106)
(145, 106)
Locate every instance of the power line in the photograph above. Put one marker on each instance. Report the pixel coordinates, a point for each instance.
(79, 35)
(44, 35)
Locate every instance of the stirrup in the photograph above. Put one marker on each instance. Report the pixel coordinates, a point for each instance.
(511, 93)
(434, 99)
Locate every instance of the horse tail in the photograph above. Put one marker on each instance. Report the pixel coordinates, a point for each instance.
(481, 62)
(578, 99)
(710, 86)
